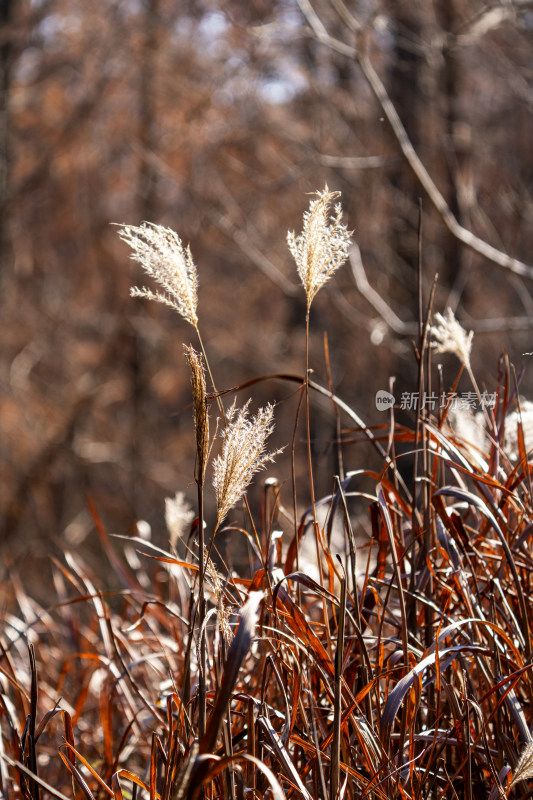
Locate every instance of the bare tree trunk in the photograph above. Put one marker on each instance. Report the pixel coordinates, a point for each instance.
(147, 198)
(6, 17)
(405, 92)
(147, 112)
(456, 145)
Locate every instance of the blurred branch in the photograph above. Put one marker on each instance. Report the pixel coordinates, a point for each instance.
(462, 234)
(38, 472)
(6, 12)
(263, 263)
(79, 116)
(499, 324)
(393, 321)
(486, 21)
(489, 19)
(386, 313)
(355, 162)
(80, 112)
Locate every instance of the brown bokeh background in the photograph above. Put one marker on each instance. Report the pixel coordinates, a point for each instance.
(217, 119)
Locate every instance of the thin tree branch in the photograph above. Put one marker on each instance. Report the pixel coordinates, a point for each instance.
(393, 321)
(356, 162)
(386, 313)
(255, 255)
(462, 234)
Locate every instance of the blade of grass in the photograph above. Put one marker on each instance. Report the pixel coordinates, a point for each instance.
(337, 705)
(236, 655)
(282, 755)
(24, 769)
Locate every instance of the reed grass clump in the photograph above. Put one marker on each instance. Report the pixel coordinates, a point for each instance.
(401, 668)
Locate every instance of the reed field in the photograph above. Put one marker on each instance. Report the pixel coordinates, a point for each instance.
(372, 643)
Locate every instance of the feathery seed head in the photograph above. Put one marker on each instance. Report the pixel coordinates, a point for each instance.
(320, 248)
(451, 337)
(524, 768)
(178, 516)
(217, 585)
(515, 420)
(243, 444)
(201, 416)
(161, 254)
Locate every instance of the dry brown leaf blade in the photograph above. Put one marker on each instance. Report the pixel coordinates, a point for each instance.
(236, 654)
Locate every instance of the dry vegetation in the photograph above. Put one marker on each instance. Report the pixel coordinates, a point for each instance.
(344, 610)
(403, 670)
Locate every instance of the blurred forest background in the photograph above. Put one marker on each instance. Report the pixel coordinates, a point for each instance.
(216, 119)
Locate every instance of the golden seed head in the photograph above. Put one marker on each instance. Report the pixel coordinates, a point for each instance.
(322, 246)
(450, 337)
(524, 768)
(161, 254)
(243, 444)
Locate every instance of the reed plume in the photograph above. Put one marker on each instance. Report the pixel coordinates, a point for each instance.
(178, 516)
(322, 246)
(160, 252)
(450, 337)
(243, 444)
(524, 768)
(216, 583)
